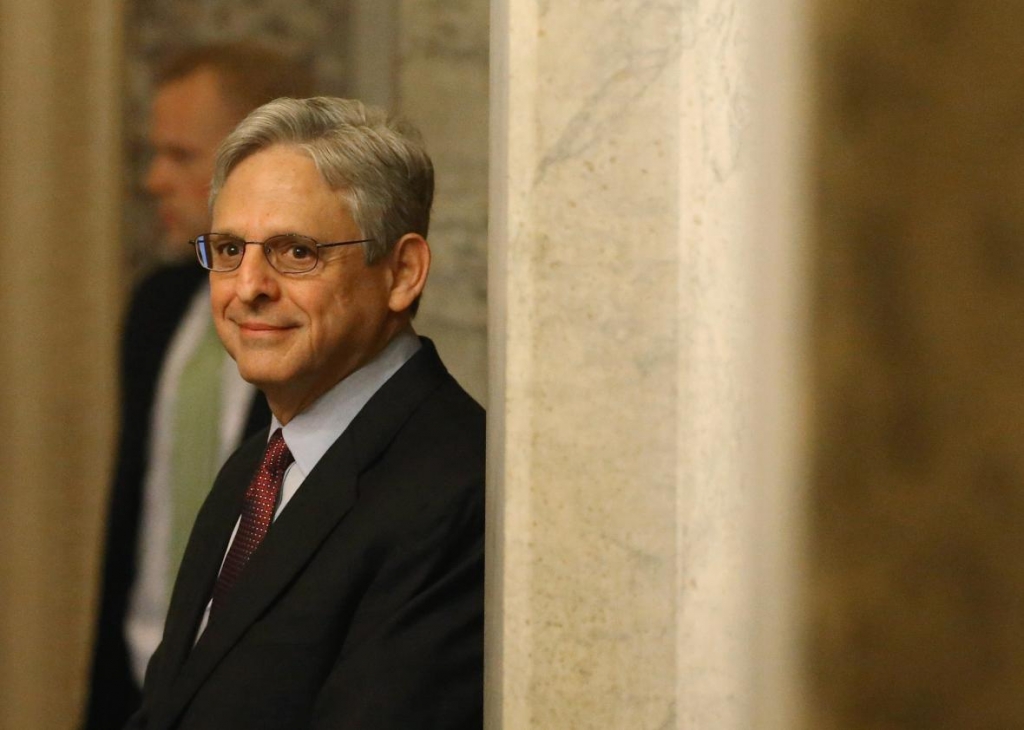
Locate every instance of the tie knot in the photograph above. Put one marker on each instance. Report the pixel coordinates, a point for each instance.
(277, 457)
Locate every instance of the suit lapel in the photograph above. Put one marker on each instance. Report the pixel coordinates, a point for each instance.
(325, 497)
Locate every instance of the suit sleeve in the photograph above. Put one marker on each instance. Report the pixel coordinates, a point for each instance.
(413, 659)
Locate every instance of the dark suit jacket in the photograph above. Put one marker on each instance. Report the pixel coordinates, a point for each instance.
(156, 310)
(363, 607)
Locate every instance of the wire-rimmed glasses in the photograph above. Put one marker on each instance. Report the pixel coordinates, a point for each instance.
(289, 253)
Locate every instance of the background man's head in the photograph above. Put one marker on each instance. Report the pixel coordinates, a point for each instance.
(201, 94)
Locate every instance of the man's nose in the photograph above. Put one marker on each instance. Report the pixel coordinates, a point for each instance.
(255, 276)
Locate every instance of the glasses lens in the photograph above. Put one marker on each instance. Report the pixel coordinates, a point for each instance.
(203, 251)
(219, 252)
(291, 254)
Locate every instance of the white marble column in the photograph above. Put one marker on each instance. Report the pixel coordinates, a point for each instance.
(623, 428)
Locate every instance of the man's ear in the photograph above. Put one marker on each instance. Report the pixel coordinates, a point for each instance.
(410, 264)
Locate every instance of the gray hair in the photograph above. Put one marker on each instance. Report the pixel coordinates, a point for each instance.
(375, 161)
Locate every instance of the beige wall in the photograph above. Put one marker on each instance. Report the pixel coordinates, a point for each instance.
(917, 589)
(61, 281)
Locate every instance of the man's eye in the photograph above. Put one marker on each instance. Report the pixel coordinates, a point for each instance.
(299, 251)
(228, 248)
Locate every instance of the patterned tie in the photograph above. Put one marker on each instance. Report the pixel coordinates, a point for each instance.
(257, 513)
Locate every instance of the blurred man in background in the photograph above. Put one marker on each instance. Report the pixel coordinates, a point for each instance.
(184, 407)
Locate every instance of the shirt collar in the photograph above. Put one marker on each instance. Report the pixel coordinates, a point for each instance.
(312, 432)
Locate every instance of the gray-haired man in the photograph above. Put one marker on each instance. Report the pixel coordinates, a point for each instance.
(334, 577)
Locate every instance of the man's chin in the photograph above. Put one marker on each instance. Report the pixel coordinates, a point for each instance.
(263, 377)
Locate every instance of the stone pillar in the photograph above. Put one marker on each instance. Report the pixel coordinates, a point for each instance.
(621, 591)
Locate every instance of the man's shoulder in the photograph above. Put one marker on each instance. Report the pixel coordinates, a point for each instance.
(444, 437)
(444, 401)
(450, 415)
(451, 405)
(422, 419)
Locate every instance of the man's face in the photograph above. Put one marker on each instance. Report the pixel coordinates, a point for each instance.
(296, 335)
(188, 121)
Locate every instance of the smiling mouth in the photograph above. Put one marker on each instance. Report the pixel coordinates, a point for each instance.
(259, 328)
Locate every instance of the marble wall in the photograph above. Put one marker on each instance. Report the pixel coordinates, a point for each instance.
(618, 558)
(917, 581)
(442, 85)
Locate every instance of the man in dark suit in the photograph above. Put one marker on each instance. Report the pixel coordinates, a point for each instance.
(172, 385)
(334, 576)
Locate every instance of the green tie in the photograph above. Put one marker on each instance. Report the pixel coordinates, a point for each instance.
(196, 455)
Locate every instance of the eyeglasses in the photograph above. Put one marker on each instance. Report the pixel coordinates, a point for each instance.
(288, 253)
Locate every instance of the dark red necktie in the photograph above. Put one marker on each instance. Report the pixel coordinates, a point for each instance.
(257, 514)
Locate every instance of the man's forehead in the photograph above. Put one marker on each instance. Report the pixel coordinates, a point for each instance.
(277, 190)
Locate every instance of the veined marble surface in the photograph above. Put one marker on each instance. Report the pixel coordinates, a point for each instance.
(620, 322)
(442, 85)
